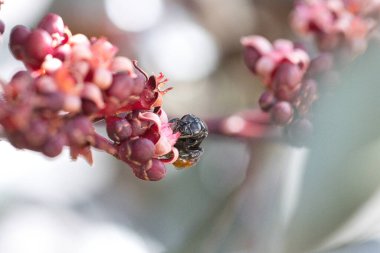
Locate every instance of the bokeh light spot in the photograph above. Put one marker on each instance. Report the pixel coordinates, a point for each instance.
(183, 50)
(134, 16)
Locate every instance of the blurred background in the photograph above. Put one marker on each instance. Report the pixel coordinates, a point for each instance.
(245, 195)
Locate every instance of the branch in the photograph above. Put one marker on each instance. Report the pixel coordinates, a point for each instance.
(247, 124)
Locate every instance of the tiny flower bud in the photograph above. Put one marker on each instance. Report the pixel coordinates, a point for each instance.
(79, 130)
(142, 150)
(22, 77)
(89, 107)
(266, 101)
(79, 39)
(2, 27)
(81, 52)
(138, 127)
(62, 52)
(45, 84)
(282, 113)
(80, 69)
(52, 101)
(52, 23)
(287, 81)
(37, 133)
(51, 64)
(156, 171)
(54, 145)
(17, 140)
(121, 64)
(17, 39)
(121, 87)
(251, 57)
(92, 92)
(72, 103)
(138, 151)
(283, 45)
(102, 78)
(37, 45)
(118, 129)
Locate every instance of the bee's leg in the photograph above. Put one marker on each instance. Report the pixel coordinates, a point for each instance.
(196, 152)
(191, 154)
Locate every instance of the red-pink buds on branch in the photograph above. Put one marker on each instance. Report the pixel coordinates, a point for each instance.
(337, 24)
(72, 81)
(282, 67)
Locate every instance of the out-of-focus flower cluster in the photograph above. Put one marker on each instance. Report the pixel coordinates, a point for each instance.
(291, 77)
(72, 81)
(282, 67)
(337, 24)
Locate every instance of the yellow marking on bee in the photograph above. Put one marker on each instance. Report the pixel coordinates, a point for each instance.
(183, 164)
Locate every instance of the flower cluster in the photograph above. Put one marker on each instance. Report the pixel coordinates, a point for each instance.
(337, 24)
(71, 82)
(294, 80)
(282, 67)
(145, 141)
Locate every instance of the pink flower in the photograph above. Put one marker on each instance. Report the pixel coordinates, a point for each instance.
(336, 23)
(164, 143)
(270, 57)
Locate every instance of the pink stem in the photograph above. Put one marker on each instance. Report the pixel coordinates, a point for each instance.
(247, 124)
(104, 144)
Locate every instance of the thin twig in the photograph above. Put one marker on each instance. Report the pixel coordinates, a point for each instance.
(247, 124)
(104, 144)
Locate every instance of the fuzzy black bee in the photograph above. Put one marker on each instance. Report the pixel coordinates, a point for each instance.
(193, 131)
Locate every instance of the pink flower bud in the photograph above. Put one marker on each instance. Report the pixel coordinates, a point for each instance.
(62, 52)
(287, 81)
(92, 92)
(138, 127)
(261, 44)
(154, 170)
(50, 65)
(265, 67)
(45, 84)
(282, 113)
(102, 78)
(52, 102)
(17, 140)
(283, 45)
(18, 36)
(54, 145)
(118, 129)
(79, 131)
(138, 151)
(251, 57)
(121, 87)
(157, 171)
(52, 23)
(80, 69)
(121, 64)
(81, 52)
(72, 104)
(142, 150)
(37, 133)
(21, 81)
(37, 45)
(266, 101)
(79, 39)
(2, 27)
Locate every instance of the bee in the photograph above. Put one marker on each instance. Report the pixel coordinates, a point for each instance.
(193, 131)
